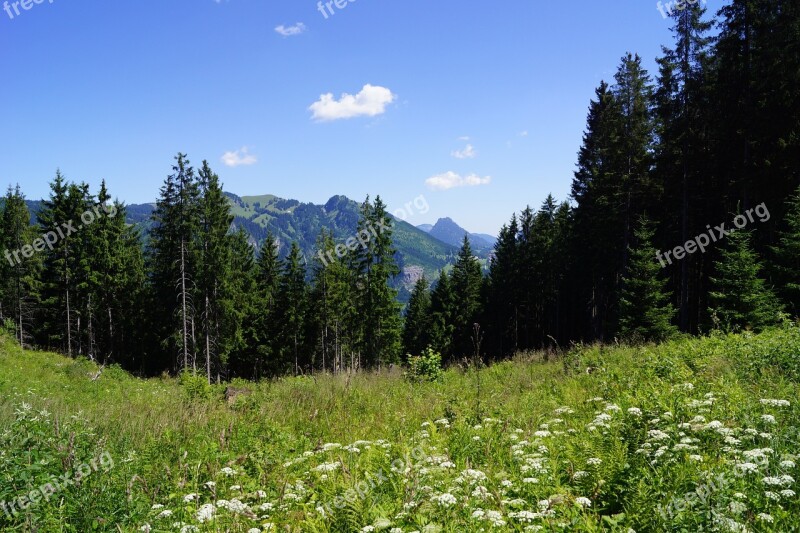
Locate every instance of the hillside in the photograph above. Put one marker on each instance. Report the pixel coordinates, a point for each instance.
(291, 220)
(696, 434)
(446, 230)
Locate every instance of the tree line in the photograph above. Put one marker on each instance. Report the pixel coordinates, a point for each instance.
(662, 161)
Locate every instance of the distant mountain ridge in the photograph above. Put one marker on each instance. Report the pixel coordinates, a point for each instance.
(418, 251)
(447, 231)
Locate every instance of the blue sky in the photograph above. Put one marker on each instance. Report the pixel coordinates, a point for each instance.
(488, 99)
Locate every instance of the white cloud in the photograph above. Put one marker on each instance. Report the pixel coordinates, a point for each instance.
(523, 133)
(451, 180)
(288, 31)
(467, 153)
(237, 158)
(465, 138)
(371, 101)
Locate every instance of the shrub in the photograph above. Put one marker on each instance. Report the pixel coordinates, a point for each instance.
(425, 367)
(196, 386)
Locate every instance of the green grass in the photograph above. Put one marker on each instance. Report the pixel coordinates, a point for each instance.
(602, 438)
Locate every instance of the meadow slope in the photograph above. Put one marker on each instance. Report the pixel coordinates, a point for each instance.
(691, 435)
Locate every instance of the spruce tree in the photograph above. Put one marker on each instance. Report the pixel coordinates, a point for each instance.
(740, 298)
(503, 301)
(442, 315)
(215, 281)
(173, 263)
(645, 310)
(268, 271)
(292, 310)
(416, 330)
(18, 275)
(65, 269)
(787, 257)
(375, 266)
(466, 284)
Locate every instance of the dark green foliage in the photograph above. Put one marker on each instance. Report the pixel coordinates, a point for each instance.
(787, 257)
(292, 306)
(739, 297)
(18, 275)
(466, 286)
(416, 330)
(645, 310)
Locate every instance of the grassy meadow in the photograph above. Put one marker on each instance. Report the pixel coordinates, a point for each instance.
(691, 435)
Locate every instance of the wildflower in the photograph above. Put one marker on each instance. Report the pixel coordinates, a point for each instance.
(327, 467)
(594, 461)
(583, 502)
(768, 419)
(765, 517)
(227, 471)
(206, 513)
(530, 480)
(635, 411)
(775, 403)
(445, 500)
(189, 498)
(657, 434)
(166, 513)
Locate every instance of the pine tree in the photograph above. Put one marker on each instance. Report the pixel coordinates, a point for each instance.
(215, 282)
(466, 284)
(442, 315)
(66, 266)
(115, 282)
(333, 310)
(681, 103)
(173, 259)
(599, 229)
(375, 266)
(268, 271)
(238, 308)
(292, 310)
(645, 310)
(787, 257)
(18, 274)
(416, 330)
(740, 299)
(503, 300)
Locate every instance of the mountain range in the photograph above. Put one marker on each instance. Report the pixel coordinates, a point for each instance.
(424, 249)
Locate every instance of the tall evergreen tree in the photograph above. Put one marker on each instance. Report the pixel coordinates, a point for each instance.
(466, 285)
(740, 298)
(375, 266)
(173, 258)
(215, 282)
(442, 315)
(681, 104)
(18, 274)
(416, 330)
(292, 311)
(787, 257)
(645, 310)
(65, 265)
